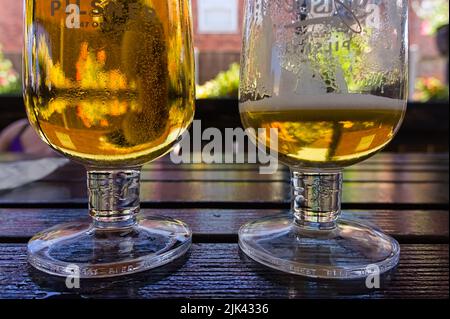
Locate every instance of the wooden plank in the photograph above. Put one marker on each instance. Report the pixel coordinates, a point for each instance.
(235, 194)
(386, 157)
(378, 161)
(223, 225)
(222, 271)
(74, 173)
(370, 167)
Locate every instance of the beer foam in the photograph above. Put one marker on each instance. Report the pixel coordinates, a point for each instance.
(331, 101)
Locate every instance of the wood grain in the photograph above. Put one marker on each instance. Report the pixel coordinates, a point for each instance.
(222, 271)
(222, 225)
(404, 195)
(385, 182)
(76, 173)
(220, 194)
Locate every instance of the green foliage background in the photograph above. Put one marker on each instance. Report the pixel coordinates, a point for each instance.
(225, 85)
(9, 80)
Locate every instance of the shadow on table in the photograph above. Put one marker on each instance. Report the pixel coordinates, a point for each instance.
(118, 287)
(293, 287)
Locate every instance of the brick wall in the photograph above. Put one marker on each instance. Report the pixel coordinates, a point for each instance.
(431, 62)
(11, 30)
(217, 51)
(218, 42)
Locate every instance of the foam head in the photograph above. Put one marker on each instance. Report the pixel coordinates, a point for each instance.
(331, 101)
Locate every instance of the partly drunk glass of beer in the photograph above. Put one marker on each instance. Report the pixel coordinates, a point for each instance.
(331, 77)
(109, 84)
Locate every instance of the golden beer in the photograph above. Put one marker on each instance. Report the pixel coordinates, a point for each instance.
(329, 131)
(109, 82)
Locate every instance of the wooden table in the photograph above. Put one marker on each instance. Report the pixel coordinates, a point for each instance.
(405, 195)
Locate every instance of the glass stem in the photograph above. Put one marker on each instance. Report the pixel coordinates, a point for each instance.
(114, 198)
(316, 199)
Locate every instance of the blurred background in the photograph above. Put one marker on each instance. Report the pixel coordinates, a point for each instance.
(217, 27)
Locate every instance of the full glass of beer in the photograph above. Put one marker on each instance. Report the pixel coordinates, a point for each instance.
(331, 77)
(109, 84)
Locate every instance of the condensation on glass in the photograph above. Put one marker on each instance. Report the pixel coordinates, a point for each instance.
(331, 78)
(110, 84)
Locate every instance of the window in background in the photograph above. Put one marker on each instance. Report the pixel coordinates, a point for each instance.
(217, 27)
(428, 63)
(218, 16)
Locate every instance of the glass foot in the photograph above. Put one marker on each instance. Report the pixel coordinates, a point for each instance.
(95, 253)
(349, 251)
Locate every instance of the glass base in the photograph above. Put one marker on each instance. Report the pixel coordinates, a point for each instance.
(349, 251)
(79, 248)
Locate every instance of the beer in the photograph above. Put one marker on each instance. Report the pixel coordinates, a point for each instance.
(326, 131)
(109, 83)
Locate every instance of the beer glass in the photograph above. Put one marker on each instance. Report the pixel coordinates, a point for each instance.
(109, 84)
(331, 77)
